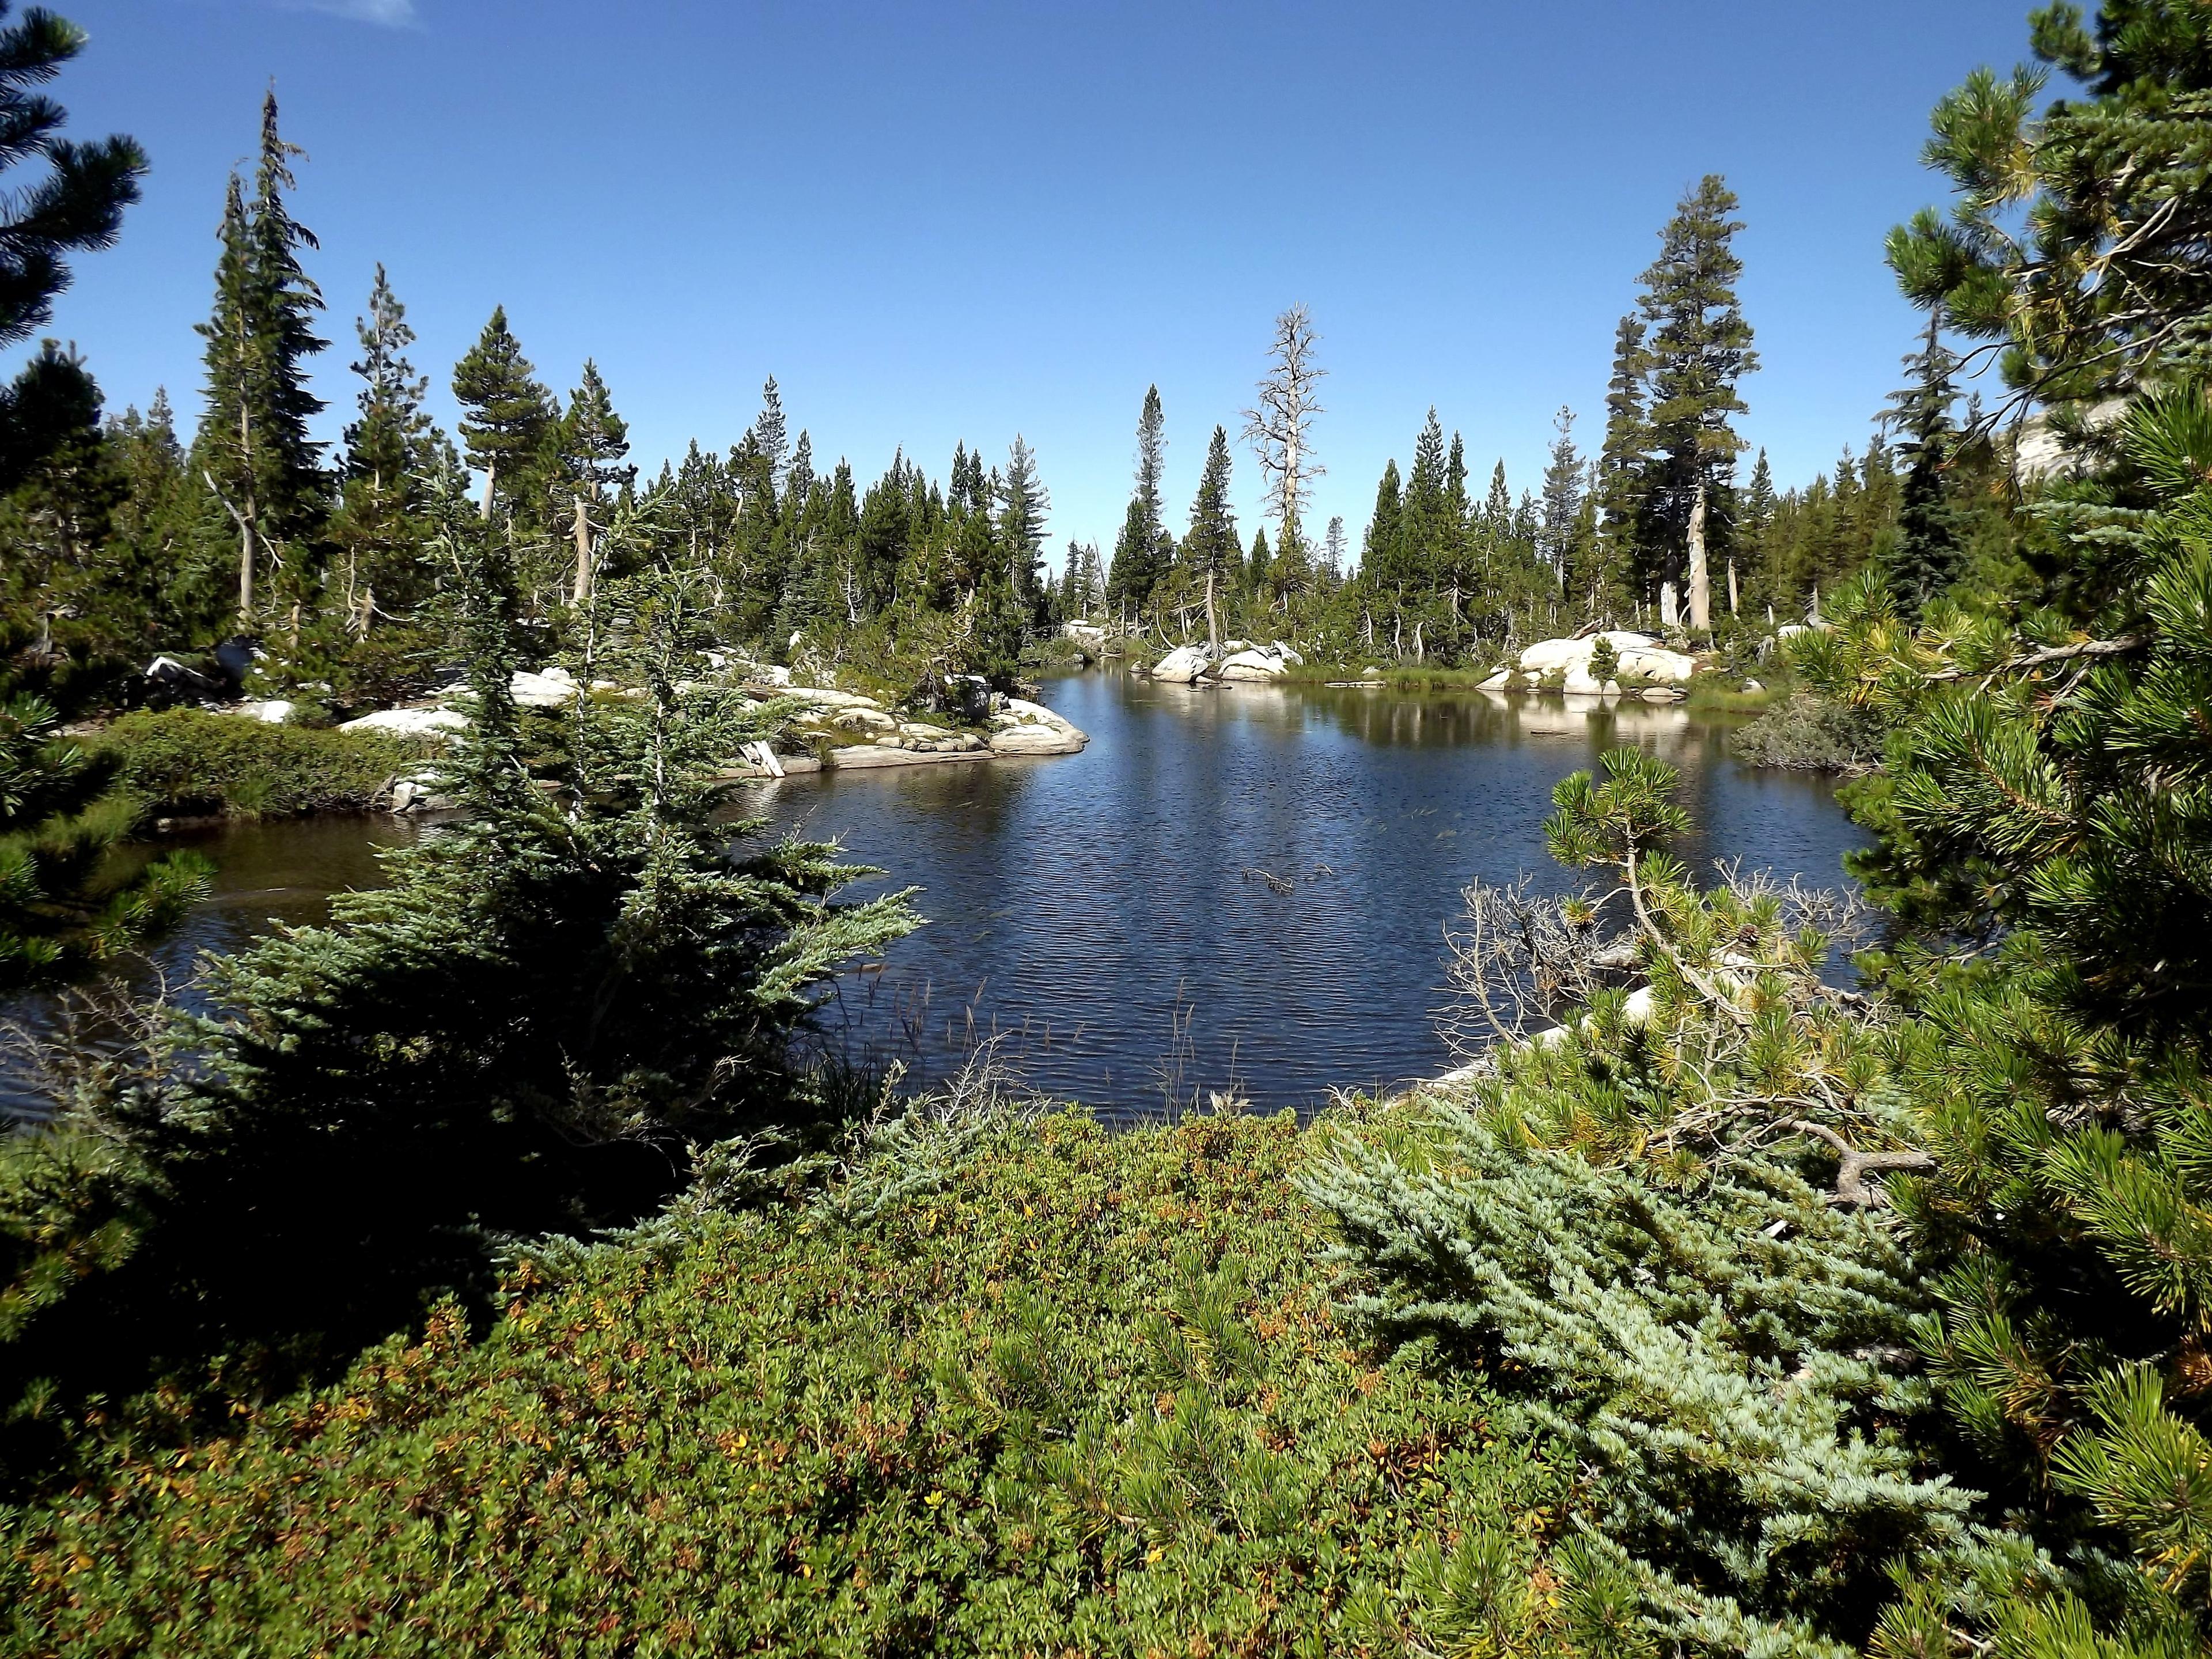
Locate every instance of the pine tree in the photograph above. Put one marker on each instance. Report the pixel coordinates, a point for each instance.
(1699, 347)
(768, 437)
(1137, 569)
(1927, 553)
(254, 448)
(389, 448)
(1426, 524)
(1023, 504)
(1211, 551)
(1332, 553)
(1622, 465)
(85, 611)
(78, 205)
(508, 417)
(1382, 563)
(1563, 498)
(588, 444)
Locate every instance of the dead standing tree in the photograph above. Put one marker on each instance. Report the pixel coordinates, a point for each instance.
(1278, 428)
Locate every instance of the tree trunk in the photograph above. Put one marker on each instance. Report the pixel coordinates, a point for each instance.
(1732, 594)
(1213, 620)
(491, 472)
(1701, 585)
(583, 584)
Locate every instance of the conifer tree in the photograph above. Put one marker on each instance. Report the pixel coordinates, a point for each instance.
(768, 437)
(61, 582)
(391, 447)
(1926, 553)
(1332, 553)
(1425, 525)
(1137, 570)
(1622, 466)
(508, 417)
(254, 448)
(1023, 504)
(1382, 555)
(77, 206)
(1210, 546)
(1699, 347)
(1563, 496)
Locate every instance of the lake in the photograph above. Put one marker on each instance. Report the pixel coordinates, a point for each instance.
(1108, 914)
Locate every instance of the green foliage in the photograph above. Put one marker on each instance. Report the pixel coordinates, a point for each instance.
(67, 897)
(74, 207)
(1085, 1392)
(542, 1023)
(1809, 732)
(184, 763)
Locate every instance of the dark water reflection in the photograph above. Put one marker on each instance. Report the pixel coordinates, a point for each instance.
(1099, 909)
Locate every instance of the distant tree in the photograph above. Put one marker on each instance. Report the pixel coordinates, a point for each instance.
(1279, 426)
(1426, 526)
(1563, 496)
(1381, 553)
(1137, 569)
(254, 448)
(389, 447)
(507, 417)
(1699, 348)
(768, 436)
(60, 576)
(1333, 552)
(1210, 547)
(1927, 552)
(1622, 466)
(1023, 504)
(590, 442)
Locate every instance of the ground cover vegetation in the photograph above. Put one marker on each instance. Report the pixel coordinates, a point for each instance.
(492, 1269)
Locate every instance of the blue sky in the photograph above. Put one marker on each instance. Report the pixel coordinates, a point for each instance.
(960, 221)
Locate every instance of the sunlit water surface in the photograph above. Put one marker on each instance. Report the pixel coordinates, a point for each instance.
(1106, 914)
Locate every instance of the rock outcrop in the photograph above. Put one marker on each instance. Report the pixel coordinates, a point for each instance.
(1183, 664)
(1637, 656)
(411, 722)
(1030, 728)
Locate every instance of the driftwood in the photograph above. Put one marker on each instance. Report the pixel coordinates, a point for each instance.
(1854, 1166)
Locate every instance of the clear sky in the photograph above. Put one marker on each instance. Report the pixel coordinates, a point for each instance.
(942, 221)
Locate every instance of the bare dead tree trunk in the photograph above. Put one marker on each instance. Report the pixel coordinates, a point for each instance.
(1701, 585)
(1277, 428)
(1732, 594)
(583, 533)
(245, 551)
(1212, 620)
(491, 472)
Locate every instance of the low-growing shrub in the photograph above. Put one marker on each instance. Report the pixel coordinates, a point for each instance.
(186, 761)
(1086, 1393)
(1812, 733)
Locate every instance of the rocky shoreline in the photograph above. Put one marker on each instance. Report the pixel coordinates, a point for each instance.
(833, 730)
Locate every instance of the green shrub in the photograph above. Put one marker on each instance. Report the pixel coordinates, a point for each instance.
(1812, 733)
(185, 762)
(1081, 1392)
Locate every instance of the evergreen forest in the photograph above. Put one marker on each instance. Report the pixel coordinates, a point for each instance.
(509, 1262)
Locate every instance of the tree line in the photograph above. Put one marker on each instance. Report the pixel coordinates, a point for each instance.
(131, 537)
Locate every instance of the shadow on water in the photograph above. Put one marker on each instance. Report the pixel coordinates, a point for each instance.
(1242, 886)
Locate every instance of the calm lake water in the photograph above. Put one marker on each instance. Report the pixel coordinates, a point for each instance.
(1101, 913)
